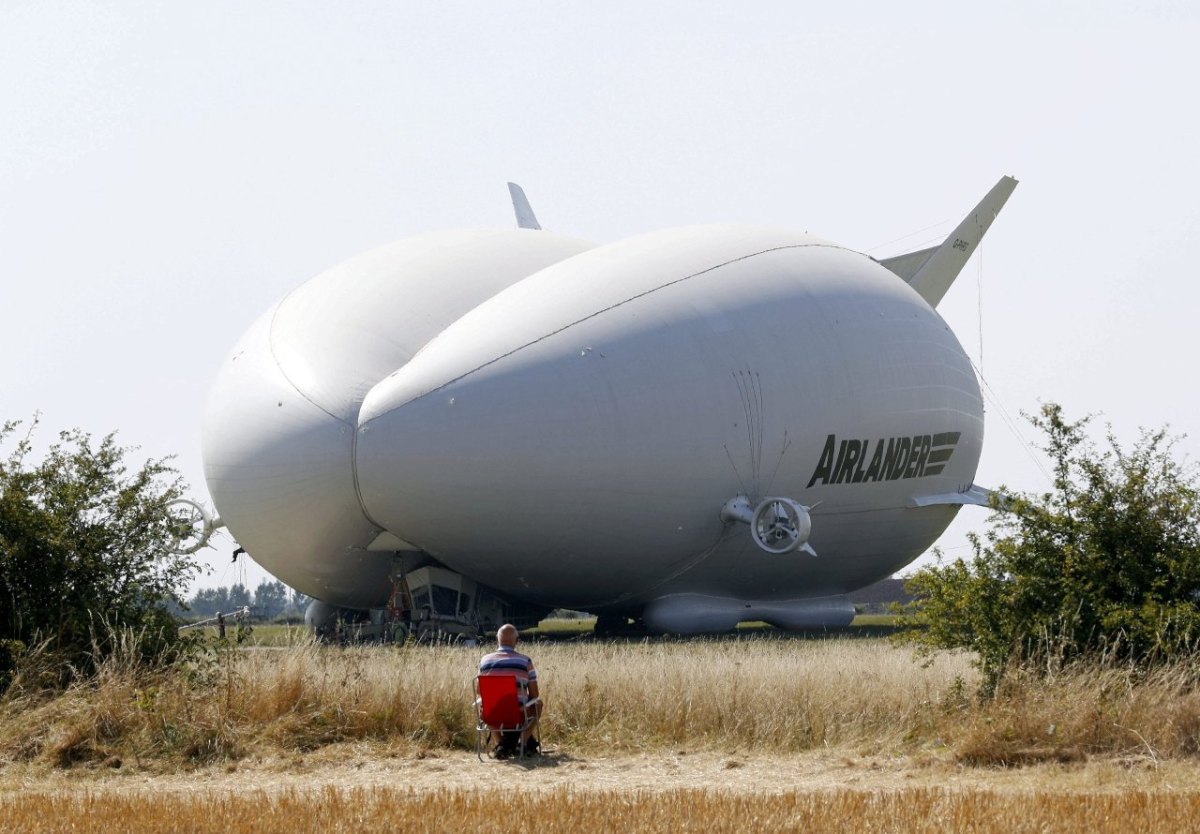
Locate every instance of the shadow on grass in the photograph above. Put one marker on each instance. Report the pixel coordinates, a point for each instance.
(547, 759)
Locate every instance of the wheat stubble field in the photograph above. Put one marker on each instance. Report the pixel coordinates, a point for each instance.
(705, 735)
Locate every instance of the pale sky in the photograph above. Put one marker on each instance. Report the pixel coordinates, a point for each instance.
(167, 171)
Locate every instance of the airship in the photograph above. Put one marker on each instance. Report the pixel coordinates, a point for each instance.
(676, 432)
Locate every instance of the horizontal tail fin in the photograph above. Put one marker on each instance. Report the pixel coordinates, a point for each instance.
(976, 495)
(931, 271)
(908, 265)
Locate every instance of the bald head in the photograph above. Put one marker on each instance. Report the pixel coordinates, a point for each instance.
(507, 635)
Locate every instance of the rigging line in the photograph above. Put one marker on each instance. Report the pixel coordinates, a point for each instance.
(786, 443)
(1011, 424)
(929, 241)
(979, 304)
(744, 397)
(1005, 417)
(753, 423)
(907, 236)
(225, 575)
(748, 401)
(737, 474)
(752, 428)
(762, 419)
(243, 577)
(741, 398)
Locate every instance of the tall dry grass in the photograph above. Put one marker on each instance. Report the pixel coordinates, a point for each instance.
(778, 695)
(760, 694)
(384, 809)
(749, 694)
(1086, 709)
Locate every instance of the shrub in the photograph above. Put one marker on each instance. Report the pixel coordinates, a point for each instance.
(1106, 563)
(86, 550)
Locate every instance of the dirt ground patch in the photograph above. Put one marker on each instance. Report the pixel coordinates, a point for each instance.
(367, 766)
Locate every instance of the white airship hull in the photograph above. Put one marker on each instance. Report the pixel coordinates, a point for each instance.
(279, 431)
(583, 428)
(568, 425)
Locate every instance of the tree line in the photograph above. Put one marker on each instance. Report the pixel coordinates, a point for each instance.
(271, 600)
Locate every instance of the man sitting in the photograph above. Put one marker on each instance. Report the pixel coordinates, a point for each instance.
(506, 660)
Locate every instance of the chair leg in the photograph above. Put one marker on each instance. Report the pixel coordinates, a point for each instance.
(532, 734)
(485, 743)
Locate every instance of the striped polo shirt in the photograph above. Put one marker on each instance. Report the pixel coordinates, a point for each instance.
(508, 661)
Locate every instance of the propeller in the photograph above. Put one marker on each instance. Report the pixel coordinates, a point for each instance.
(192, 525)
(777, 525)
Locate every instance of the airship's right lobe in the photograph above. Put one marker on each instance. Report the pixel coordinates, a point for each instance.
(591, 420)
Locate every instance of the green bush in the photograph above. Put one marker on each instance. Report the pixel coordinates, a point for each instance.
(85, 550)
(1106, 563)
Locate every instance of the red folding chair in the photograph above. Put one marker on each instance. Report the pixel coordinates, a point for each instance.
(499, 709)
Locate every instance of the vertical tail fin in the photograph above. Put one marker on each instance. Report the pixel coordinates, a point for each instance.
(931, 271)
(525, 218)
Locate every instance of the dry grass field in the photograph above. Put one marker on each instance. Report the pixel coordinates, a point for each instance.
(391, 809)
(776, 695)
(772, 734)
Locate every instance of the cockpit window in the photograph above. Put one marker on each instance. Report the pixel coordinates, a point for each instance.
(445, 600)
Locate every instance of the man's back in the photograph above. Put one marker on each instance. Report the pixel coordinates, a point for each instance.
(508, 661)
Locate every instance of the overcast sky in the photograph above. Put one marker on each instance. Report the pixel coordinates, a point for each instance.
(167, 171)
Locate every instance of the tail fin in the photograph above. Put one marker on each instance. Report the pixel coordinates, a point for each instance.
(931, 271)
(524, 211)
